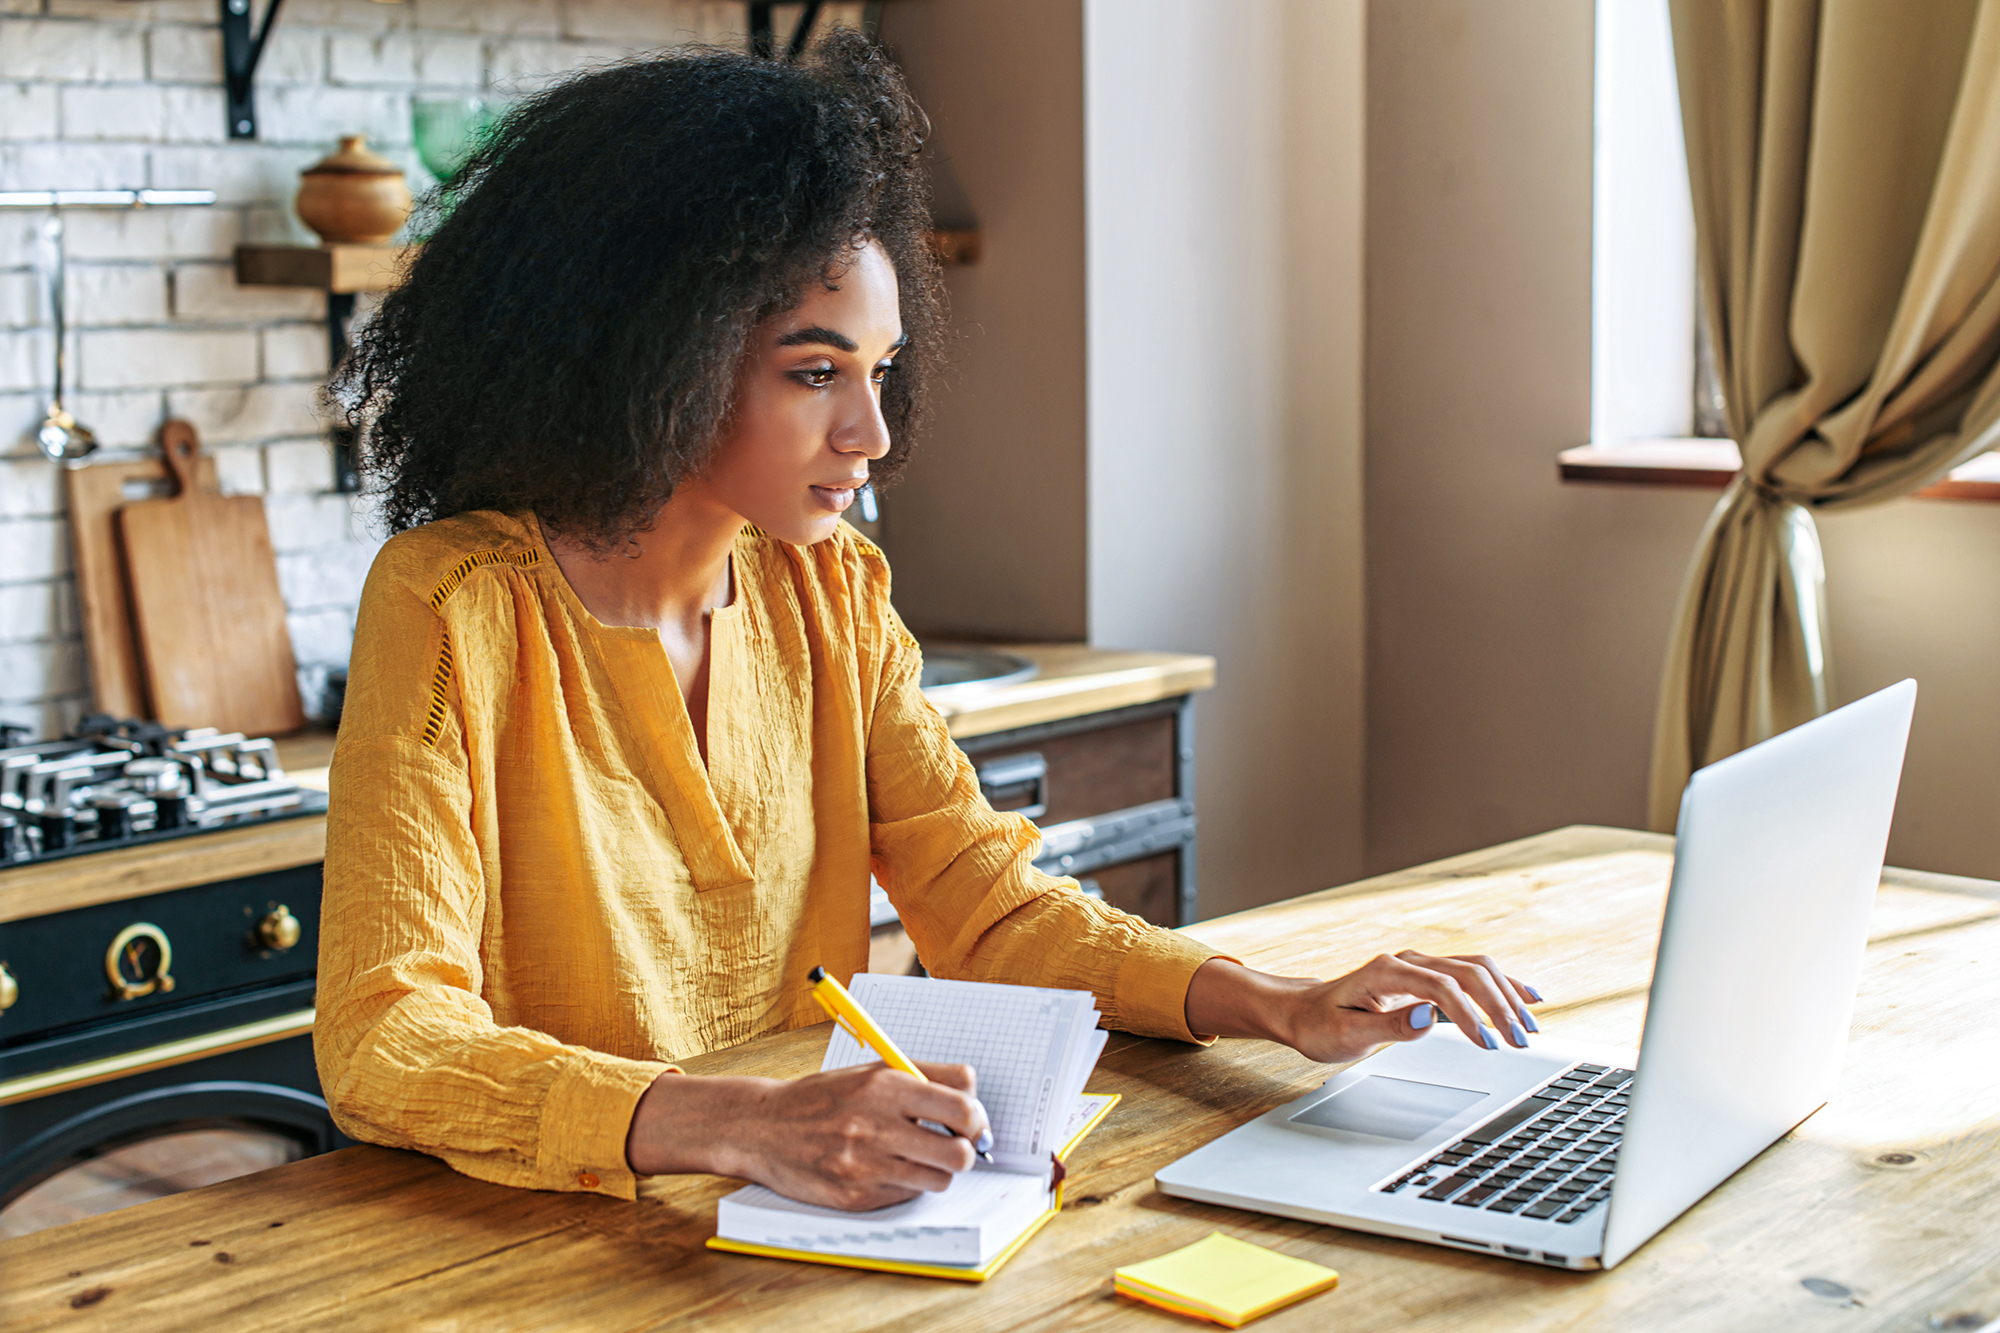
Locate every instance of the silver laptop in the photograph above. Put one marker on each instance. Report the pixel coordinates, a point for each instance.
(1575, 1155)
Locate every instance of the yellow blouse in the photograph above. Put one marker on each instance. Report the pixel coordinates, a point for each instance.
(537, 895)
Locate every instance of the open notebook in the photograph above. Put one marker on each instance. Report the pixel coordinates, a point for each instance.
(1032, 1049)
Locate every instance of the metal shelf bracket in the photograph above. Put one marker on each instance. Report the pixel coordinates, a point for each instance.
(763, 38)
(241, 51)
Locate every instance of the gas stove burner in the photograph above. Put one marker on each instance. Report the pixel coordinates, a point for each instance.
(119, 783)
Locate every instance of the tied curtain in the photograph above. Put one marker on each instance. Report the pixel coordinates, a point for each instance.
(1845, 163)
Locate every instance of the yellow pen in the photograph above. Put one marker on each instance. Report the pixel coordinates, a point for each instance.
(847, 1012)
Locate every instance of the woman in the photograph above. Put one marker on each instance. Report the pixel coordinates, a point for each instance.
(631, 718)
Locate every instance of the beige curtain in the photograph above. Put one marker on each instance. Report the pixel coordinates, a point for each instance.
(1845, 162)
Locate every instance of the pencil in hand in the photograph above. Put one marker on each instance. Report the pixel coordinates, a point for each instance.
(847, 1012)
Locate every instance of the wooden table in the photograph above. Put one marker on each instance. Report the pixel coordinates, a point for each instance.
(1882, 1212)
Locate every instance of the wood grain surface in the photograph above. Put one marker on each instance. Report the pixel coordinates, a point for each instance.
(205, 601)
(160, 867)
(329, 267)
(1076, 679)
(96, 494)
(1882, 1212)
(1711, 463)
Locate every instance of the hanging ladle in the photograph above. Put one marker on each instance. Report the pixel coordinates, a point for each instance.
(62, 437)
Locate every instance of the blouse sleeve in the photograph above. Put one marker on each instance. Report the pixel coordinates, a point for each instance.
(962, 875)
(409, 1053)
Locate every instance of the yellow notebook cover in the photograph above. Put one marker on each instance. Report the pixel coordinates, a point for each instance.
(1224, 1280)
(979, 1274)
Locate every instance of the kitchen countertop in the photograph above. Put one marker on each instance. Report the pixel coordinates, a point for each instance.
(1074, 680)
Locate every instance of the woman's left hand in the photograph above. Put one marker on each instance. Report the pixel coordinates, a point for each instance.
(1389, 998)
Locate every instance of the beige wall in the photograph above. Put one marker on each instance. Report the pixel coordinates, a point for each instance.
(1512, 627)
(1224, 171)
(1515, 624)
(987, 529)
(1210, 392)
(1164, 453)
(1910, 593)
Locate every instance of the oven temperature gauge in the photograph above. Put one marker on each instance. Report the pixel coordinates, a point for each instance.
(137, 961)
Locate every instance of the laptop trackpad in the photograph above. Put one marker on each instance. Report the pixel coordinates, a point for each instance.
(1388, 1108)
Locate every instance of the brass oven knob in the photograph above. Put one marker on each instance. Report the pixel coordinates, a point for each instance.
(137, 961)
(10, 989)
(279, 929)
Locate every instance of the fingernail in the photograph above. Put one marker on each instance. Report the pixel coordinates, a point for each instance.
(1490, 1037)
(1520, 1037)
(1422, 1016)
(1533, 994)
(984, 1143)
(1529, 1019)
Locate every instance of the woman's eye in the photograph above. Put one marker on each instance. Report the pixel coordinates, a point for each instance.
(881, 372)
(817, 376)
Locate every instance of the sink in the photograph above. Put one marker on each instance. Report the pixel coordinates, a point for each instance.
(953, 671)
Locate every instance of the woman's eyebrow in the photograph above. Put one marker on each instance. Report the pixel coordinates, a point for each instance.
(818, 334)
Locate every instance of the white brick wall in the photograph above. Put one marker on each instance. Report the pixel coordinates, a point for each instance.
(120, 93)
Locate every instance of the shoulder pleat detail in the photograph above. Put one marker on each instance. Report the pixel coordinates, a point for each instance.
(440, 707)
(449, 583)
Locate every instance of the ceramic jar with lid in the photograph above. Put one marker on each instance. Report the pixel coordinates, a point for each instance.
(355, 196)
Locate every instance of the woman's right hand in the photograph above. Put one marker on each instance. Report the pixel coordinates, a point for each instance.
(847, 1138)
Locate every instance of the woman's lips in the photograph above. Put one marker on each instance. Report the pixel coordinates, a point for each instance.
(835, 498)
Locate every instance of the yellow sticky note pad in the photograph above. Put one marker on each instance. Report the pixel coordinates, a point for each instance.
(1227, 1281)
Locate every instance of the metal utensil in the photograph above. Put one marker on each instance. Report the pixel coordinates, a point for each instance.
(62, 438)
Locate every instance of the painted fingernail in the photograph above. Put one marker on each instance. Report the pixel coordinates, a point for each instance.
(1520, 1037)
(1490, 1037)
(1533, 994)
(1422, 1016)
(1529, 1019)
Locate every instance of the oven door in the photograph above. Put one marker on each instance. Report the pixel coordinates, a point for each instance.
(158, 1043)
(72, 1152)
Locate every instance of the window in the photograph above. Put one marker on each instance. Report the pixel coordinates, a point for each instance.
(1642, 318)
(1655, 405)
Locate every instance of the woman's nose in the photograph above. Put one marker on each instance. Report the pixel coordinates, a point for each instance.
(865, 432)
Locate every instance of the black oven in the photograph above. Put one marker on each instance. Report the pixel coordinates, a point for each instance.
(169, 1015)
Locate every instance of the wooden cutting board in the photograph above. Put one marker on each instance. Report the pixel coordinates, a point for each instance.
(96, 494)
(205, 603)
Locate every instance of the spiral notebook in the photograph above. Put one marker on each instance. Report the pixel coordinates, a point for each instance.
(1033, 1049)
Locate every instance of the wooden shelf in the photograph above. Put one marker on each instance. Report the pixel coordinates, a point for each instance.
(1711, 463)
(325, 268)
(373, 268)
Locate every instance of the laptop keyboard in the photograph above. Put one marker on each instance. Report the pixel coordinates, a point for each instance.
(1550, 1156)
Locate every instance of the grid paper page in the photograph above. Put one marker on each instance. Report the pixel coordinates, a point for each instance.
(1014, 1037)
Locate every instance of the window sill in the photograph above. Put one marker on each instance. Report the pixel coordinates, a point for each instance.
(1711, 463)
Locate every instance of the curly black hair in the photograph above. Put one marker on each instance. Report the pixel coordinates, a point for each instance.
(567, 340)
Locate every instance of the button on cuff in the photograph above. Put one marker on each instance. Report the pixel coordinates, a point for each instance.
(586, 1117)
